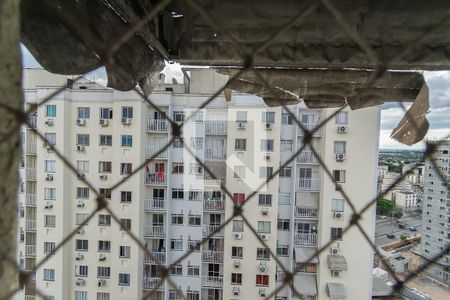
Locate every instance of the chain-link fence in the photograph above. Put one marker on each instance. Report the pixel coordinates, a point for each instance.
(248, 59)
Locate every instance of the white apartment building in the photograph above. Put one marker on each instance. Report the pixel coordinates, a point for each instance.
(435, 212)
(405, 200)
(172, 203)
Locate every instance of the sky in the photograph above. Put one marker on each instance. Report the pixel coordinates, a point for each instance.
(391, 113)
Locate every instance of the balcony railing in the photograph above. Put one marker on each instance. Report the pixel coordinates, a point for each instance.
(30, 225)
(155, 204)
(307, 157)
(157, 125)
(30, 250)
(215, 153)
(306, 213)
(208, 229)
(311, 127)
(30, 297)
(214, 205)
(32, 121)
(150, 151)
(216, 127)
(30, 174)
(155, 257)
(151, 283)
(155, 231)
(213, 182)
(155, 178)
(31, 148)
(305, 239)
(212, 256)
(212, 281)
(308, 184)
(30, 200)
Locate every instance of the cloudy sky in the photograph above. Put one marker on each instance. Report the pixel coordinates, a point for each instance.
(439, 115)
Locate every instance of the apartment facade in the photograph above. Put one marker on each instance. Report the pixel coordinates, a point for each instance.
(172, 203)
(435, 212)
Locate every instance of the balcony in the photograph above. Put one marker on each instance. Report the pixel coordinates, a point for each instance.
(30, 225)
(305, 239)
(216, 127)
(30, 250)
(215, 154)
(32, 121)
(150, 151)
(157, 125)
(155, 204)
(214, 205)
(306, 213)
(30, 200)
(212, 281)
(307, 157)
(31, 148)
(30, 297)
(212, 256)
(151, 283)
(154, 231)
(213, 182)
(208, 229)
(306, 184)
(311, 127)
(155, 257)
(157, 178)
(30, 174)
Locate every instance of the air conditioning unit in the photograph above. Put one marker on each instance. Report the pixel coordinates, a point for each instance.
(81, 148)
(237, 264)
(49, 177)
(80, 282)
(335, 250)
(264, 211)
(268, 126)
(80, 204)
(79, 257)
(103, 176)
(81, 122)
(49, 205)
(267, 156)
(126, 121)
(241, 125)
(49, 122)
(237, 235)
(264, 236)
(102, 257)
(80, 231)
(104, 122)
(341, 156)
(101, 282)
(262, 292)
(335, 273)
(338, 215)
(263, 268)
(81, 175)
(236, 291)
(342, 129)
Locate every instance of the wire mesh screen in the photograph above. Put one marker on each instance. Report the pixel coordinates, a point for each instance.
(238, 208)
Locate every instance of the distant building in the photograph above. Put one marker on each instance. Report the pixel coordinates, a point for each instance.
(382, 171)
(386, 185)
(416, 178)
(405, 200)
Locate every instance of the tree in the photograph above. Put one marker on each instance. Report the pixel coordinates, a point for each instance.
(385, 206)
(398, 214)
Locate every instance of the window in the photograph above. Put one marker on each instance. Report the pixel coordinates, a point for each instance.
(178, 116)
(50, 111)
(176, 270)
(283, 224)
(81, 295)
(336, 233)
(286, 145)
(103, 272)
(193, 271)
(105, 193)
(308, 119)
(286, 119)
(194, 245)
(193, 295)
(265, 200)
(82, 139)
(50, 138)
(49, 274)
(81, 271)
(124, 252)
(195, 195)
(241, 116)
(236, 278)
(266, 145)
(268, 117)
(49, 166)
(124, 279)
(339, 175)
(49, 221)
(197, 142)
(177, 168)
(238, 198)
(83, 112)
(262, 254)
(104, 246)
(237, 252)
(104, 220)
(240, 144)
(176, 244)
(195, 169)
(341, 118)
(265, 172)
(238, 226)
(262, 280)
(125, 168)
(83, 166)
(127, 112)
(340, 147)
(125, 224)
(127, 141)
(177, 194)
(49, 193)
(337, 205)
(80, 218)
(177, 143)
(105, 140)
(106, 113)
(239, 171)
(195, 220)
(49, 247)
(104, 166)
(263, 226)
(282, 250)
(125, 196)
(82, 193)
(286, 172)
(177, 219)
